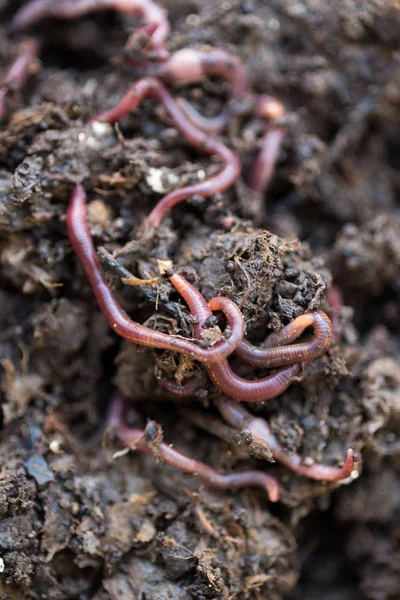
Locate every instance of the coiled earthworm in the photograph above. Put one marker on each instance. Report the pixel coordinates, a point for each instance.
(282, 353)
(220, 372)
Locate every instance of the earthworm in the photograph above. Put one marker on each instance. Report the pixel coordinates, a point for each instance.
(282, 355)
(37, 10)
(214, 125)
(193, 66)
(230, 171)
(258, 390)
(17, 72)
(82, 244)
(267, 108)
(335, 301)
(237, 416)
(272, 111)
(190, 388)
(220, 372)
(141, 440)
(171, 308)
(189, 65)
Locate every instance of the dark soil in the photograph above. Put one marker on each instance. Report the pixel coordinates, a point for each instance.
(76, 523)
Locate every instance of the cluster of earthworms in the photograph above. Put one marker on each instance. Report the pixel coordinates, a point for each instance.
(281, 352)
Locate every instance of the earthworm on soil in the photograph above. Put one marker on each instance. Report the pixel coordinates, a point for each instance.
(284, 354)
(237, 416)
(189, 389)
(252, 446)
(184, 66)
(18, 71)
(230, 171)
(335, 301)
(193, 66)
(272, 111)
(258, 390)
(151, 13)
(213, 358)
(144, 441)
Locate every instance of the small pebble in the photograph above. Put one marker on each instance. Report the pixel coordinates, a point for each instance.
(37, 468)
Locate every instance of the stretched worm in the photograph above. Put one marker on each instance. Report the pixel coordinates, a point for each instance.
(137, 439)
(237, 416)
(18, 71)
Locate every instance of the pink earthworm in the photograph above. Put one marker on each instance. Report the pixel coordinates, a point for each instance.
(189, 389)
(272, 112)
(230, 163)
(335, 301)
(37, 10)
(139, 439)
(18, 71)
(237, 416)
(193, 66)
(283, 354)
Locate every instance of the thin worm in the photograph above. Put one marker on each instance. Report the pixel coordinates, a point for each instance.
(18, 71)
(194, 65)
(237, 416)
(189, 66)
(264, 165)
(267, 108)
(172, 308)
(283, 355)
(37, 10)
(202, 310)
(230, 163)
(186, 390)
(214, 125)
(335, 301)
(272, 111)
(138, 440)
(82, 244)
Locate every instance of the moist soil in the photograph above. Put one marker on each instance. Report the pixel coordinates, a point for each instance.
(79, 522)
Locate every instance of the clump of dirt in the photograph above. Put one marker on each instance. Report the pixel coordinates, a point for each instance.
(79, 521)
